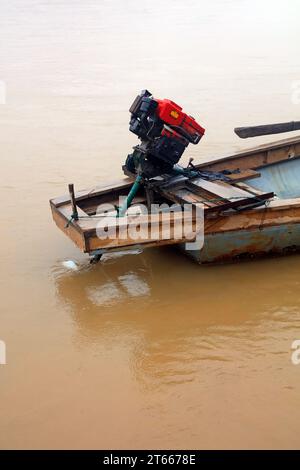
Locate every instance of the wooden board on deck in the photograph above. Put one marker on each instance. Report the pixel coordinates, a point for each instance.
(218, 188)
(215, 195)
(243, 175)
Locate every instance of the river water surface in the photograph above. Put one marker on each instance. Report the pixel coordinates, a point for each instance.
(146, 350)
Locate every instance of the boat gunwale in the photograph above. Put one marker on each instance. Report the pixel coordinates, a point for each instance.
(252, 151)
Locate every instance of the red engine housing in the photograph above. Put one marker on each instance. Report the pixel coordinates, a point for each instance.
(172, 115)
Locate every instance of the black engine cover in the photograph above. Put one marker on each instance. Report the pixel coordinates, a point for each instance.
(160, 149)
(167, 149)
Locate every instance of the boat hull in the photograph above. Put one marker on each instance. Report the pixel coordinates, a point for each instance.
(235, 228)
(276, 235)
(247, 244)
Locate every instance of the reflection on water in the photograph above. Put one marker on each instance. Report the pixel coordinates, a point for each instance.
(112, 292)
(211, 318)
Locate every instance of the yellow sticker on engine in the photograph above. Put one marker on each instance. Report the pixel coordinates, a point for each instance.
(174, 114)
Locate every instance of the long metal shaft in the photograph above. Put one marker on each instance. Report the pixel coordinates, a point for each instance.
(135, 187)
(267, 129)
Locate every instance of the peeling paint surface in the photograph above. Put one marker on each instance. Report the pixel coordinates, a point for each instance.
(282, 178)
(228, 246)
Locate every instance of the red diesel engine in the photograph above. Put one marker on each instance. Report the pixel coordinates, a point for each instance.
(164, 130)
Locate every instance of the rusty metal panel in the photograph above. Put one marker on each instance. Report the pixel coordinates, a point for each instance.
(242, 244)
(281, 178)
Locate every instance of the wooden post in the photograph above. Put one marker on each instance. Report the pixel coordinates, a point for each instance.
(149, 197)
(73, 202)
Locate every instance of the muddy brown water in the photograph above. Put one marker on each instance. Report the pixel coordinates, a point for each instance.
(146, 350)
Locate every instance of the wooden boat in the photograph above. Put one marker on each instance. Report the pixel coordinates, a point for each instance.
(255, 212)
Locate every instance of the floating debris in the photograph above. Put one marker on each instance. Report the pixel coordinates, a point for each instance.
(70, 264)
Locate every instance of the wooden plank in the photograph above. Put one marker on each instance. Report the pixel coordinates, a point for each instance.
(208, 198)
(251, 219)
(250, 189)
(72, 231)
(184, 195)
(278, 212)
(242, 203)
(187, 196)
(216, 206)
(219, 189)
(119, 185)
(243, 175)
(156, 225)
(255, 157)
(91, 205)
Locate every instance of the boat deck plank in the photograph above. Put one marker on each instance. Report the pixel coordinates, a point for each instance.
(219, 189)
